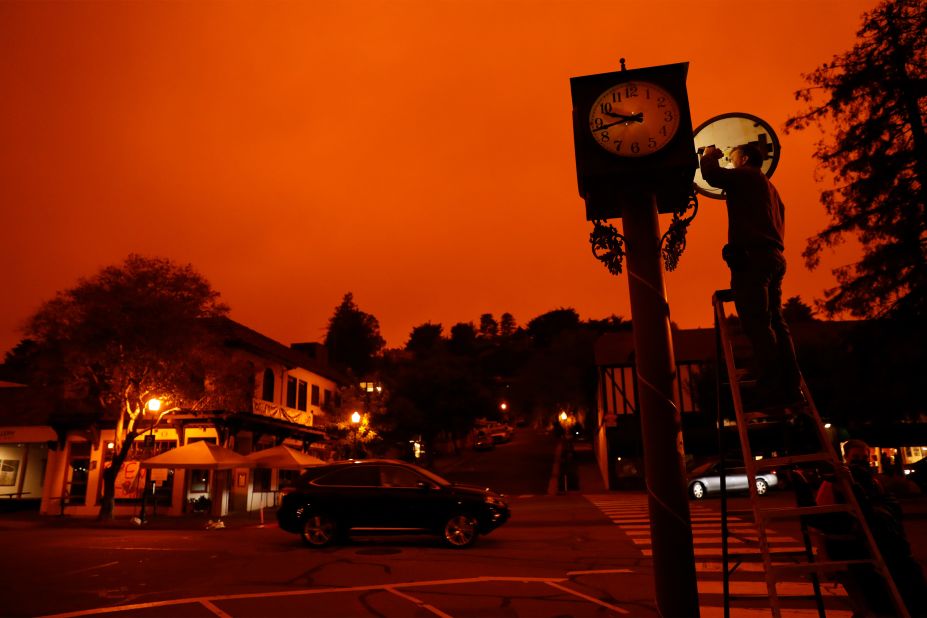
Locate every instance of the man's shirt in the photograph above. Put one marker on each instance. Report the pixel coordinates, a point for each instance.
(755, 212)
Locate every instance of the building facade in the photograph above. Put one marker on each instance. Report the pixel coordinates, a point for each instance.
(295, 394)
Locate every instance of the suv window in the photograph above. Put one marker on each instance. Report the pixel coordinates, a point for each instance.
(394, 476)
(353, 476)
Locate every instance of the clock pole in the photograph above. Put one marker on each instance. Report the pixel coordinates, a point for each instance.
(635, 158)
(661, 424)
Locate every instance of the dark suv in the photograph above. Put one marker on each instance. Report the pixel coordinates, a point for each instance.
(384, 495)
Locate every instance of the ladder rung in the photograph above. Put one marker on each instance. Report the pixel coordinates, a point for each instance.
(799, 511)
(810, 567)
(782, 462)
(773, 553)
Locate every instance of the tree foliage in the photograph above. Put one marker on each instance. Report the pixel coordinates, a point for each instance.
(872, 99)
(130, 333)
(353, 339)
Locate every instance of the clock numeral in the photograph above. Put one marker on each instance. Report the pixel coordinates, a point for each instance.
(596, 124)
(630, 91)
(661, 101)
(616, 96)
(667, 116)
(618, 145)
(663, 130)
(606, 108)
(635, 148)
(651, 143)
(603, 136)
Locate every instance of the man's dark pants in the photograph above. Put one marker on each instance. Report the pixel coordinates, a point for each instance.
(756, 279)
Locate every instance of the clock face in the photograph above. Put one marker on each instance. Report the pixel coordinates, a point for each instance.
(634, 119)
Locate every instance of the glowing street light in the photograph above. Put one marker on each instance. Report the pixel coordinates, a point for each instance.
(503, 406)
(154, 404)
(355, 422)
(563, 416)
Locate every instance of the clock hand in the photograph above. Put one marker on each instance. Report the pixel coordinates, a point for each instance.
(638, 117)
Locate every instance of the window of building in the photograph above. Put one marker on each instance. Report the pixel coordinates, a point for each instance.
(199, 481)
(9, 471)
(688, 381)
(267, 388)
(327, 400)
(315, 395)
(262, 479)
(301, 395)
(290, 392)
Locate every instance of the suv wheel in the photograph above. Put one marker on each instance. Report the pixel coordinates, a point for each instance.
(460, 531)
(319, 531)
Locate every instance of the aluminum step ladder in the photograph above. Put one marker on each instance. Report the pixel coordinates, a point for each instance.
(810, 456)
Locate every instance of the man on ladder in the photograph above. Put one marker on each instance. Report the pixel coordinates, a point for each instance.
(756, 224)
(756, 228)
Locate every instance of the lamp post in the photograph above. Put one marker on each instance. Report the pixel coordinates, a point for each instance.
(153, 406)
(355, 423)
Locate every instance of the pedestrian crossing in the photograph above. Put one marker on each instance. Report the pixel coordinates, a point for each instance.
(630, 513)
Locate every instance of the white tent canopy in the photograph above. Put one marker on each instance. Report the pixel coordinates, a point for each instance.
(283, 457)
(199, 455)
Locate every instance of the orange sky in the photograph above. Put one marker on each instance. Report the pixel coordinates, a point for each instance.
(416, 153)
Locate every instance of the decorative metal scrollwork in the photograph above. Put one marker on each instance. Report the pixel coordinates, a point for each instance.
(607, 245)
(673, 242)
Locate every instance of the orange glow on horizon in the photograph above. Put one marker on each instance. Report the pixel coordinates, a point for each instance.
(418, 154)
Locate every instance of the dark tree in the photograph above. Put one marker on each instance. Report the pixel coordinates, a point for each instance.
(507, 325)
(129, 334)
(489, 328)
(795, 310)
(545, 328)
(871, 101)
(463, 338)
(353, 339)
(425, 337)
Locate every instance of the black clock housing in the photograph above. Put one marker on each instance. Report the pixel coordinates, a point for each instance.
(609, 183)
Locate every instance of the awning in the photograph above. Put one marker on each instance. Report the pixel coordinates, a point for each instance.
(199, 455)
(283, 457)
(28, 433)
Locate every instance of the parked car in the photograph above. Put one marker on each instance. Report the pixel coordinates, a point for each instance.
(373, 496)
(706, 479)
(500, 433)
(482, 442)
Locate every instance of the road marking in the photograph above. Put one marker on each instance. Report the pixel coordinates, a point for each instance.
(218, 612)
(589, 598)
(418, 602)
(99, 566)
(631, 515)
(599, 572)
(304, 592)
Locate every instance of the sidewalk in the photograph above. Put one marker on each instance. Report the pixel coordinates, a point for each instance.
(191, 521)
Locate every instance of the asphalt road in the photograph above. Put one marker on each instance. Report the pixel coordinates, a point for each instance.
(561, 555)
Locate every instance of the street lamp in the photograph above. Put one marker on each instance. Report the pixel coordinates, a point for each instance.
(355, 422)
(153, 406)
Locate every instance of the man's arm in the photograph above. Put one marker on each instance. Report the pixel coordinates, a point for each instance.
(712, 172)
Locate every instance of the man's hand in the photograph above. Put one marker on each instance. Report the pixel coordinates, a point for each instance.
(711, 152)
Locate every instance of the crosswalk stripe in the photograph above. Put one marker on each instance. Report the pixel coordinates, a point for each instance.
(633, 520)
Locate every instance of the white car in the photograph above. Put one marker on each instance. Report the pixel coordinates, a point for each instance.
(706, 479)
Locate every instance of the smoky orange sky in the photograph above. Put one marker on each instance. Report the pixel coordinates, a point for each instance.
(417, 153)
